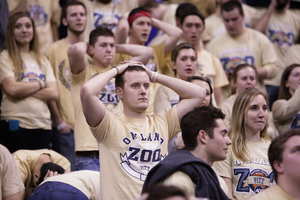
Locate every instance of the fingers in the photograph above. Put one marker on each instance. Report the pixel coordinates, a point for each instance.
(50, 174)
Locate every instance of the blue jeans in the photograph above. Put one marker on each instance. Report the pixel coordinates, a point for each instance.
(64, 143)
(87, 163)
(57, 191)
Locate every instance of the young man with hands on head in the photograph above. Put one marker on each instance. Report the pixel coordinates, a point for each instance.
(132, 142)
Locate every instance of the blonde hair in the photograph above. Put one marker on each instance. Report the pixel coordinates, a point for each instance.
(12, 47)
(237, 132)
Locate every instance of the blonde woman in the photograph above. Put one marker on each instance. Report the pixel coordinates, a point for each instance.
(243, 77)
(246, 169)
(27, 82)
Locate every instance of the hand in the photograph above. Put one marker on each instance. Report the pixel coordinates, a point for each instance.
(178, 143)
(67, 129)
(50, 174)
(143, 197)
(273, 3)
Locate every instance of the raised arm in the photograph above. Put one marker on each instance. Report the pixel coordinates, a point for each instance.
(122, 30)
(139, 53)
(192, 95)
(93, 109)
(76, 54)
(262, 23)
(173, 32)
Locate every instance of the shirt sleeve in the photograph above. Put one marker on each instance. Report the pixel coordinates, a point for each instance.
(285, 110)
(161, 101)
(181, 180)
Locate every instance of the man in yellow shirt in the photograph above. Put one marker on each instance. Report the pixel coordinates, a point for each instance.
(132, 142)
(205, 137)
(240, 44)
(285, 160)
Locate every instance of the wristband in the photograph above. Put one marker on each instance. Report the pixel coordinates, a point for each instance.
(117, 71)
(61, 126)
(40, 84)
(154, 74)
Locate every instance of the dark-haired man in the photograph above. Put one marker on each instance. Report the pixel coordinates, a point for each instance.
(103, 50)
(192, 24)
(132, 142)
(215, 25)
(29, 163)
(282, 28)
(62, 110)
(205, 137)
(242, 45)
(284, 157)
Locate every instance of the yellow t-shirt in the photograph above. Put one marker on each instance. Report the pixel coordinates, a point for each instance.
(106, 14)
(129, 148)
(183, 181)
(43, 13)
(87, 181)
(251, 177)
(165, 99)
(272, 193)
(210, 67)
(252, 47)
(226, 107)
(283, 32)
(292, 55)
(214, 24)
(32, 113)
(26, 159)
(156, 64)
(10, 179)
(58, 57)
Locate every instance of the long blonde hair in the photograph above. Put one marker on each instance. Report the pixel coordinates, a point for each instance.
(12, 47)
(237, 132)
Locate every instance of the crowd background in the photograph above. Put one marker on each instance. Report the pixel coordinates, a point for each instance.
(51, 49)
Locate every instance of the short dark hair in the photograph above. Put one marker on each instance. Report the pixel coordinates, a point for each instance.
(151, 4)
(49, 166)
(160, 192)
(277, 147)
(119, 81)
(201, 118)
(136, 10)
(188, 9)
(204, 79)
(71, 3)
(231, 5)
(99, 31)
(284, 92)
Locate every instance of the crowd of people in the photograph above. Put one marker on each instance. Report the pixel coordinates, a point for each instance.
(168, 100)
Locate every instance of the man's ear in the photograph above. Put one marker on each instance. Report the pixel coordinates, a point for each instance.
(64, 22)
(278, 167)
(119, 92)
(90, 50)
(202, 136)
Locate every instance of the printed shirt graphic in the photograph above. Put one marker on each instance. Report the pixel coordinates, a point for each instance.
(86, 141)
(106, 14)
(251, 177)
(129, 148)
(32, 113)
(252, 47)
(283, 32)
